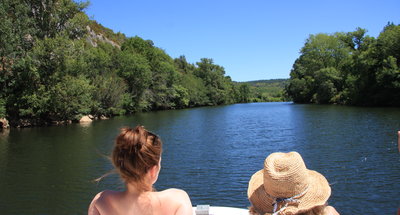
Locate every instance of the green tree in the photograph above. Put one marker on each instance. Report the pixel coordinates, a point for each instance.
(135, 70)
(109, 94)
(244, 93)
(214, 80)
(299, 90)
(323, 57)
(160, 93)
(54, 16)
(180, 96)
(183, 66)
(196, 90)
(388, 42)
(388, 69)
(16, 28)
(328, 80)
(70, 98)
(29, 97)
(101, 60)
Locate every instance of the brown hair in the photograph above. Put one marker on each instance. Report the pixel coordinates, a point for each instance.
(136, 150)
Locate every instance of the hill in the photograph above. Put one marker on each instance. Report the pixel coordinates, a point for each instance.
(267, 90)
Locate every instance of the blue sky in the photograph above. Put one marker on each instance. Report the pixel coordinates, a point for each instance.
(251, 39)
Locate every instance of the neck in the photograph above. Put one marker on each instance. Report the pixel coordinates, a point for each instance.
(136, 189)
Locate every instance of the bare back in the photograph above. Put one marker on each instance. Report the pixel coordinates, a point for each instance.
(168, 202)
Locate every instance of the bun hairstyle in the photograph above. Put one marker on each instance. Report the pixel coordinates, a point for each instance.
(136, 151)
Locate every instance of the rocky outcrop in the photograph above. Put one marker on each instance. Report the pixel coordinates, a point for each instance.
(4, 123)
(93, 38)
(102, 117)
(85, 119)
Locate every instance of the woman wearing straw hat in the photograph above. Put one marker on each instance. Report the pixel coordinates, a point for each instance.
(286, 186)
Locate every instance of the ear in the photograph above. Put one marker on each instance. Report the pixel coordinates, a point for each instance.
(154, 173)
(153, 170)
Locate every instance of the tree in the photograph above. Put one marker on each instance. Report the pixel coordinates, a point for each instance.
(196, 89)
(322, 51)
(298, 90)
(388, 42)
(54, 16)
(327, 89)
(70, 98)
(244, 93)
(183, 66)
(101, 60)
(317, 75)
(180, 96)
(16, 30)
(214, 80)
(108, 94)
(135, 70)
(388, 71)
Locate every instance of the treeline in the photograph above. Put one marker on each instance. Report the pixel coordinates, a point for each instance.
(55, 67)
(348, 68)
(268, 90)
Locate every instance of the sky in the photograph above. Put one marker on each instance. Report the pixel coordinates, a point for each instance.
(251, 39)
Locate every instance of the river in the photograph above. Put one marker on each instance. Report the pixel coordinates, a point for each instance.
(211, 152)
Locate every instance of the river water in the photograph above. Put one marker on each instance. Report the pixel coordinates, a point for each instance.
(210, 152)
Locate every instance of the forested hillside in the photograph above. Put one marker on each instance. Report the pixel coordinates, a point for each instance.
(56, 65)
(267, 90)
(349, 68)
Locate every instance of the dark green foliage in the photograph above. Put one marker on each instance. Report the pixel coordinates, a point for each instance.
(51, 17)
(52, 69)
(109, 93)
(348, 68)
(2, 108)
(135, 70)
(214, 80)
(244, 93)
(70, 98)
(196, 90)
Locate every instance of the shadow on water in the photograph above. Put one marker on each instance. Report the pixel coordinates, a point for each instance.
(211, 153)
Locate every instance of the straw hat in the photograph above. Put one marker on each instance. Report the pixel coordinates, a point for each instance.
(286, 185)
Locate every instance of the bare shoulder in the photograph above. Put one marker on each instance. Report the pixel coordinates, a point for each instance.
(104, 196)
(100, 200)
(177, 199)
(175, 195)
(93, 208)
(174, 192)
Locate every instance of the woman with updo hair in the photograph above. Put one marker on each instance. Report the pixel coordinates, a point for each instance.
(137, 159)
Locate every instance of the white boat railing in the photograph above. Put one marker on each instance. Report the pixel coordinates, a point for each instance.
(218, 210)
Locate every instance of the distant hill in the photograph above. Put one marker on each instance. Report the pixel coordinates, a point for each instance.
(267, 90)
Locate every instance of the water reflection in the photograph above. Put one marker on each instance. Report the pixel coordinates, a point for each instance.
(4, 133)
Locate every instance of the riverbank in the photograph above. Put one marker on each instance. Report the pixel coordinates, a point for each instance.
(24, 123)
